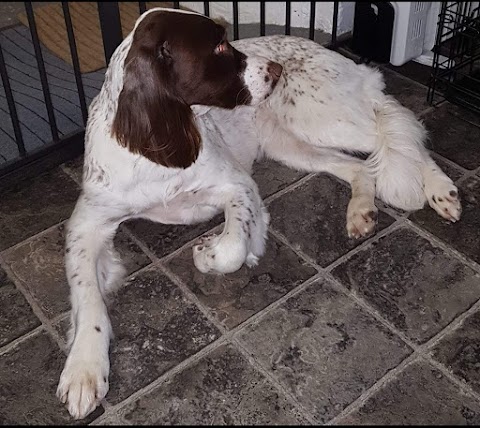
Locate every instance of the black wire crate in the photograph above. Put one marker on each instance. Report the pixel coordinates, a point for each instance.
(455, 74)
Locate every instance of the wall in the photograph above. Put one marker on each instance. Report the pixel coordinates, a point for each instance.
(249, 12)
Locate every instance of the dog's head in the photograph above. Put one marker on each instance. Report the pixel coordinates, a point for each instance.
(178, 59)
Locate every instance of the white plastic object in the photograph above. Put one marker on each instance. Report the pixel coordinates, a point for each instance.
(414, 29)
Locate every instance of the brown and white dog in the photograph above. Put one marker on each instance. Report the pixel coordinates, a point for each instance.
(172, 137)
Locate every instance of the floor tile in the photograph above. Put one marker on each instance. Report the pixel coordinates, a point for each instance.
(460, 351)
(272, 176)
(40, 265)
(29, 374)
(452, 171)
(463, 235)
(75, 168)
(420, 396)
(413, 70)
(162, 239)
(221, 389)
(155, 329)
(313, 219)
(236, 297)
(16, 315)
(34, 206)
(416, 286)
(451, 136)
(323, 349)
(409, 93)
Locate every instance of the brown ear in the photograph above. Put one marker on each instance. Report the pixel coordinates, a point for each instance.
(150, 120)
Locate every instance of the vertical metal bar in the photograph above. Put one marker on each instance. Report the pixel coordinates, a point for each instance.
(313, 8)
(41, 70)
(176, 5)
(436, 54)
(288, 14)
(206, 8)
(75, 60)
(11, 106)
(142, 6)
(235, 20)
(111, 27)
(262, 18)
(333, 41)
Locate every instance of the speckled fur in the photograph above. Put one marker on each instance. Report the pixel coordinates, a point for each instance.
(323, 105)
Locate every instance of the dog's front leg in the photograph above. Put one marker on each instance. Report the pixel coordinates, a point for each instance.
(84, 379)
(243, 237)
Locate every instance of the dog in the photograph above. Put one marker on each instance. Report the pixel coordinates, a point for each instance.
(172, 137)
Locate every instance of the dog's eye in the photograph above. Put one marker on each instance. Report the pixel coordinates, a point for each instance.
(221, 47)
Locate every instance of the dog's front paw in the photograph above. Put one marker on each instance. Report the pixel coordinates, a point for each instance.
(443, 197)
(218, 254)
(83, 384)
(361, 217)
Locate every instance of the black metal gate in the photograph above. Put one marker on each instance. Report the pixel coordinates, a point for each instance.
(20, 159)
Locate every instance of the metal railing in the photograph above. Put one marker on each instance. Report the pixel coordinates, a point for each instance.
(63, 147)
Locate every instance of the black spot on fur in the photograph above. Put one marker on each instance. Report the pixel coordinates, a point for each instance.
(98, 328)
(373, 215)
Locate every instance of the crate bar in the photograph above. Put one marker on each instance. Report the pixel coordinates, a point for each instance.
(11, 106)
(313, 8)
(111, 27)
(288, 16)
(75, 61)
(206, 8)
(436, 54)
(235, 20)
(41, 70)
(142, 6)
(333, 41)
(176, 5)
(262, 18)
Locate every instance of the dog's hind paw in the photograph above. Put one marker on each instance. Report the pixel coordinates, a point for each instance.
(443, 197)
(361, 217)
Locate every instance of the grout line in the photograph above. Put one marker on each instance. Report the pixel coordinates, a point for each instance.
(259, 316)
(292, 186)
(443, 245)
(194, 299)
(70, 173)
(370, 310)
(397, 224)
(421, 351)
(467, 175)
(283, 240)
(463, 386)
(46, 322)
(274, 382)
(377, 386)
(449, 162)
(170, 373)
(138, 242)
(224, 338)
(14, 343)
(33, 237)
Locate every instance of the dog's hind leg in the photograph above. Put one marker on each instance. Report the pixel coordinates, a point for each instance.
(84, 379)
(441, 193)
(361, 211)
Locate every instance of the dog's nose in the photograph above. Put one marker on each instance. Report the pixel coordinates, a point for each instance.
(274, 70)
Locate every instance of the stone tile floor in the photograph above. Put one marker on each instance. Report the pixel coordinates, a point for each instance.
(384, 330)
